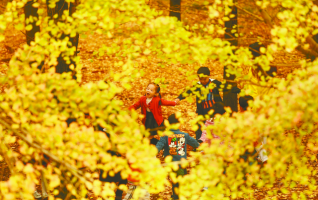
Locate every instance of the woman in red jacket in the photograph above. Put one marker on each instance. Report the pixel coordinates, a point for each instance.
(151, 107)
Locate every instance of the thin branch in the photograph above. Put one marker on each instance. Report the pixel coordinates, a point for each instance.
(246, 39)
(252, 83)
(286, 65)
(242, 9)
(309, 39)
(230, 35)
(265, 15)
(312, 43)
(307, 51)
(78, 174)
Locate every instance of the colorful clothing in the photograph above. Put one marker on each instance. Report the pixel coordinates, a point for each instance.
(204, 137)
(204, 105)
(176, 144)
(153, 106)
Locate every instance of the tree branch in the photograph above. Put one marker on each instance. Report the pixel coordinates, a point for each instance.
(77, 173)
(307, 51)
(309, 39)
(267, 18)
(252, 83)
(242, 9)
(312, 43)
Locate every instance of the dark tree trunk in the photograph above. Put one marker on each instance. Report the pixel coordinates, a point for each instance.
(74, 40)
(175, 9)
(230, 98)
(30, 14)
(31, 17)
(60, 7)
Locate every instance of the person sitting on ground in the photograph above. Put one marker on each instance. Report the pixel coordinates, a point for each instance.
(176, 146)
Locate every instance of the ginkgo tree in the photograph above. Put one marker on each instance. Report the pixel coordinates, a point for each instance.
(35, 106)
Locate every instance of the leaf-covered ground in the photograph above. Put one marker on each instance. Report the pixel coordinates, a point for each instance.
(95, 69)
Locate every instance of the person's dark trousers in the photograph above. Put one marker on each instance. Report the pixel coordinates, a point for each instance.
(198, 132)
(180, 172)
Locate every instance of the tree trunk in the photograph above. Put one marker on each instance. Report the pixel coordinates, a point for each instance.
(175, 9)
(31, 17)
(31, 14)
(230, 98)
(60, 7)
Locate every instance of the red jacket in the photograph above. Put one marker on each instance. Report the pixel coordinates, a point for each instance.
(153, 106)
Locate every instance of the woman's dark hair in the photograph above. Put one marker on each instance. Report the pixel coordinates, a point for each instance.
(157, 88)
(243, 101)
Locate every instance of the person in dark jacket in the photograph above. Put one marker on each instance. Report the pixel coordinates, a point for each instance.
(176, 146)
(205, 100)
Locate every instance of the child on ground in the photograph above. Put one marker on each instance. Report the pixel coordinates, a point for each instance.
(151, 107)
(176, 146)
(205, 104)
